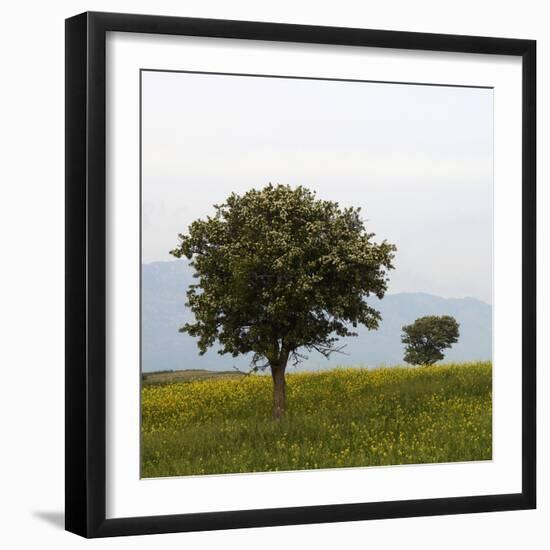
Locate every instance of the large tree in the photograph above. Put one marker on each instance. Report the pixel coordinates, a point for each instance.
(427, 337)
(279, 273)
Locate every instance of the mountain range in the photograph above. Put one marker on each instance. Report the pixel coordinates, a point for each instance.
(164, 285)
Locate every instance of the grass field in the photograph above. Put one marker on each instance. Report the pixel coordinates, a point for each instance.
(188, 375)
(337, 418)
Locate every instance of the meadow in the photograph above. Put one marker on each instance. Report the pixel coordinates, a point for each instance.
(344, 417)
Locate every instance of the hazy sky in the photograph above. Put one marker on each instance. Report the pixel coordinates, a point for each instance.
(417, 159)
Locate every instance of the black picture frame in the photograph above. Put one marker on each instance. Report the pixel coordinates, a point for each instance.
(86, 274)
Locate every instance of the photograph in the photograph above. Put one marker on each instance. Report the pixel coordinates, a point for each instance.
(285, 260)
(316, 273)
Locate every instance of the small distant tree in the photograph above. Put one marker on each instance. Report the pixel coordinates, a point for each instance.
(278, 272)
(427, 337)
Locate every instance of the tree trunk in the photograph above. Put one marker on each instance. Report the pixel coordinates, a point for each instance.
(279, 390)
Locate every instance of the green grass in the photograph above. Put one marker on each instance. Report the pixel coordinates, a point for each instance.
(188, 375)
(337, 418)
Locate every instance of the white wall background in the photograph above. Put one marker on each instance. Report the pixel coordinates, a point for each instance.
(31, 280)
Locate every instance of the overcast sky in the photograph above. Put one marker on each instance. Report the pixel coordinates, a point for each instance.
(417, 159)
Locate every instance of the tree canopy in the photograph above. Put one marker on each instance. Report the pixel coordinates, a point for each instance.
(279, 272)
(427, 337)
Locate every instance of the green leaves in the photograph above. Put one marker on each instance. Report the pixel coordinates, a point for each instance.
(278, 270)
(427, 337)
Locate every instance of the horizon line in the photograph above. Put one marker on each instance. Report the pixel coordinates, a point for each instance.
(180, 260)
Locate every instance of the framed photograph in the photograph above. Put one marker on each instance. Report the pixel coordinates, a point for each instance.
(300, 274)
